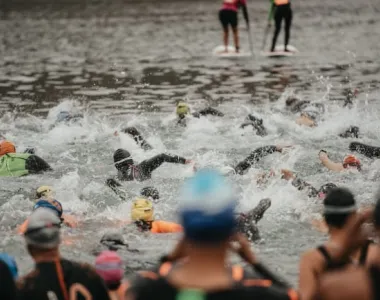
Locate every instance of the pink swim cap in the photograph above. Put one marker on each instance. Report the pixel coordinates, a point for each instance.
(109, 266)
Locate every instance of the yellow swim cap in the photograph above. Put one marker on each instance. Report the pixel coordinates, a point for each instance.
(45, 192)
(142, 210)
(182, 108)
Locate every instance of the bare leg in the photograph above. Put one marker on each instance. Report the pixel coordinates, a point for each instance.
(236, 38)
(225, 39)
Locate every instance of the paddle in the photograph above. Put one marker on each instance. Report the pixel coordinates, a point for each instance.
(266, 34)
(250, 39)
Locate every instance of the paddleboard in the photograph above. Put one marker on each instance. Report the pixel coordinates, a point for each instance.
(219, 51)
(279, 51)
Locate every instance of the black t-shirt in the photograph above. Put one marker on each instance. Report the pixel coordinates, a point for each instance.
(248, 289)
(7, 284)
(43, 283)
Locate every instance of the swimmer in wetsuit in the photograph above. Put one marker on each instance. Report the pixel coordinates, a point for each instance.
(281, 9)
(228, 16)
(183, 110)
(256, 123)
(247, 222)
(366, 150)
(14, 164)
(129, 171)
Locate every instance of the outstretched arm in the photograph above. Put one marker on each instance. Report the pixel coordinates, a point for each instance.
(329, 164)
(369, 151)
(254, 157)
(132, 131)
(149, 165)
(210, 111)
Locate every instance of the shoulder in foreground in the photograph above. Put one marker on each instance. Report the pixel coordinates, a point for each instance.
(23, 280)
(85, 267)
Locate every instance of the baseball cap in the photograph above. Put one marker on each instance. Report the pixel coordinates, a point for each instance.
(207, 207)
(43, 229)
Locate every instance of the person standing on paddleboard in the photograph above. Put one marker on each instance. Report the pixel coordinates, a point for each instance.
(281, 9)
(228, 15)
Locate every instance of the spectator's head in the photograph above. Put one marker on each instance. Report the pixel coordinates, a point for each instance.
(207, 210)
(339, 205)
(43, 234)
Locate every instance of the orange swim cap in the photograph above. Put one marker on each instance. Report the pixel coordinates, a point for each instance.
(6, 147)
(351, 161)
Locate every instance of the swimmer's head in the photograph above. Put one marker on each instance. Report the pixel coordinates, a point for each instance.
(290, 101)
(142, 210)
(338, 206)
(351, 161)
(182, 109)
(122, 159)
(150, 192)
(109, 266)
(310, 114)
(63, 116)
(325, 189)
(6, 147)
(44, 192)
(53, 205)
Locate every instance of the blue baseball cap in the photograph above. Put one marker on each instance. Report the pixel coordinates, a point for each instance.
(11, 263)
(54, 205)
(207, 207)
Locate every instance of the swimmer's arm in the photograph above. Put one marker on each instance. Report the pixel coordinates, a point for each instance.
(210, 111)
(254, 157)
(311, 267)
(301, 184)
(167, 227)
(132, 131)
(333, 166)
(366, 150)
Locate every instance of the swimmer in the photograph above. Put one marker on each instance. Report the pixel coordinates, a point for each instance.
(112, 241)
(14, 164)
(242, 167)
(56, 207)
(366, 150)
(136, 135)
(281, 9)
(150, 193)
(256, 124)
(349, 162)
(247, 222)
(183, 110)
(339, 208)
(128, 170)
(142, 215)
(228, 16)
(68, 117)
(301, 184)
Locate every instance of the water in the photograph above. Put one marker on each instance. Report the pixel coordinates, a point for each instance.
(127, 64)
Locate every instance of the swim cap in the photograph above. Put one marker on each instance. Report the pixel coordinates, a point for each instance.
(122, 158)
(150, 192)
(53, 205)
(109, 266)
(7, 147)
(351, 161)
(325, 189)
(207, 207)
(182, 109)
(142, 210)
(43, 229)
(45, 192)
(339, 201)
(63, 116)
(11, 263)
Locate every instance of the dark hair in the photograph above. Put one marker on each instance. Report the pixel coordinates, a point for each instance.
(376, 213)
(338, 198)
(113, 286)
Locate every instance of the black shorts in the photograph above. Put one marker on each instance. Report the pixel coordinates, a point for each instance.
(228, 17)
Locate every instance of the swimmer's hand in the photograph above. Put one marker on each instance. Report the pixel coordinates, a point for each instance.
(241, 246)
(323, 155)
(287, 174)
(281, 148)
(116, 133)
(191, 162)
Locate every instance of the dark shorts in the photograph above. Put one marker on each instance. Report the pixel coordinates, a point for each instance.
(228, 17)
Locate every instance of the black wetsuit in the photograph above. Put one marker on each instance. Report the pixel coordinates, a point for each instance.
(256, 123)
(137, 137)
(282, 12)
(36, 164)
(143, 171)
(247, 222)
(369, 151)
(374, 274)
(43, 283)
(204, 112)
(7, 286)
(253, 158)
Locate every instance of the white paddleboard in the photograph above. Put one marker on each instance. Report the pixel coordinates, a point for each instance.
(279, 51)
(220, 52)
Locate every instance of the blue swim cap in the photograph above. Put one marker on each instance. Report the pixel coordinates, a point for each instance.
(207, 207)
(11, 263)
(63, 116)
(54, 205)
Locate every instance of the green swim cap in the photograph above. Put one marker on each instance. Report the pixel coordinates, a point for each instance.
(182, 109)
